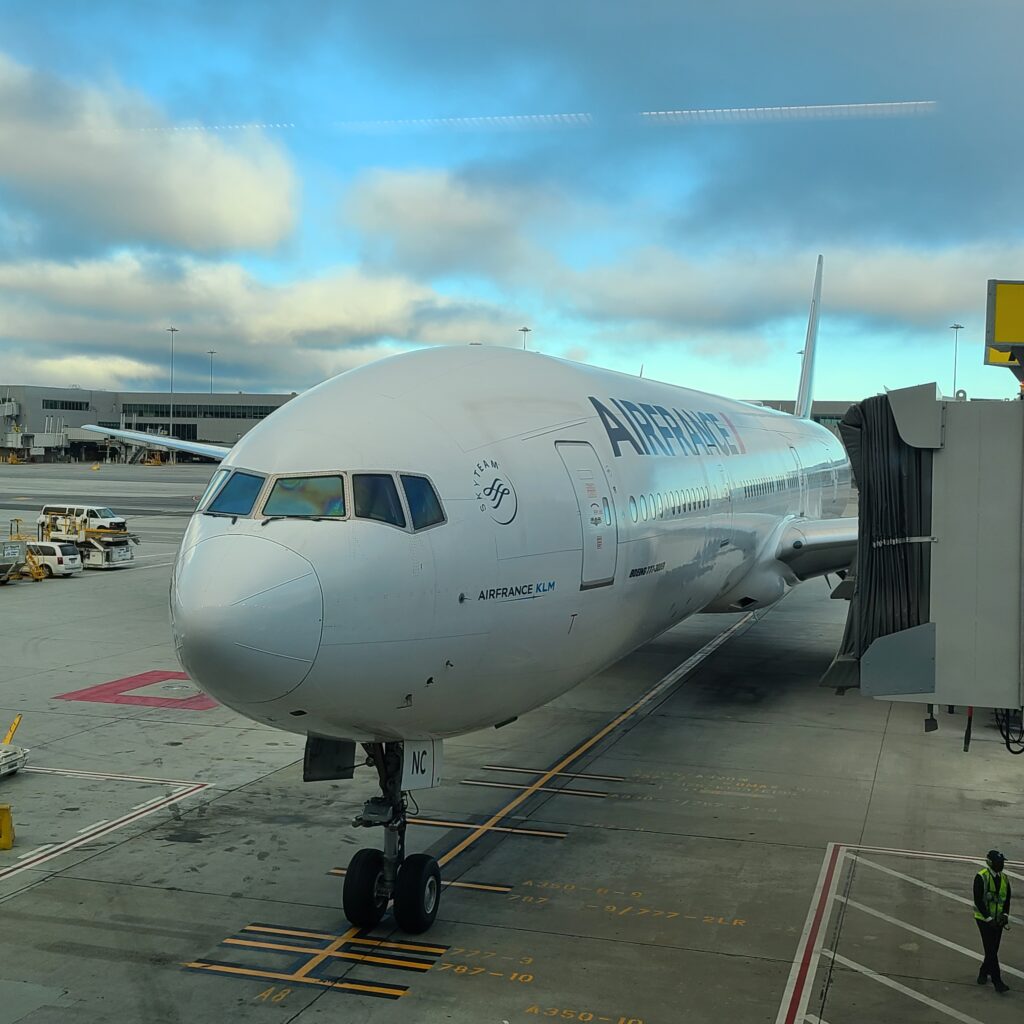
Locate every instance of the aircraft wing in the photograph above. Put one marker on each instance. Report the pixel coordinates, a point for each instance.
(210, 451)
(814, 547)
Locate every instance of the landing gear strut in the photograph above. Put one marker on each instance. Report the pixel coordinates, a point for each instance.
(374, 878)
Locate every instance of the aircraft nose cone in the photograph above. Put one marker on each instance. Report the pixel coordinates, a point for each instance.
(247, 615)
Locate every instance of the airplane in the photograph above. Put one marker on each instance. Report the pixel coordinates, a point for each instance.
(443, 540)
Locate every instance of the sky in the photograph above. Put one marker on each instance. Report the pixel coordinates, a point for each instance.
(306, 187)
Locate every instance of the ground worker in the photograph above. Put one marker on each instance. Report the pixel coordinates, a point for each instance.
(992, 912)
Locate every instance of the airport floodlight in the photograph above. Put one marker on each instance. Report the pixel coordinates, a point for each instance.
(956, 329)
(524, 331)
(170, 432)
(211, 353)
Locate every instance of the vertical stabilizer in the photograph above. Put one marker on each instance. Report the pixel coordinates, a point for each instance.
(805, 393)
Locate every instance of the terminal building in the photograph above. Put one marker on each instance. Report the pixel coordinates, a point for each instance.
(42, 424)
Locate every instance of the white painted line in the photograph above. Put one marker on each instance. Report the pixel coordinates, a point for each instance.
(48, 853)
(922, 855)
(911, 879)
(896, 986)
(32, 853)
(75, 773)
(813, 1019)
(89, 828)
(917, 881)
(907, 926)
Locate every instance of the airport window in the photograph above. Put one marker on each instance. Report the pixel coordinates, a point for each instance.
(307, 496)
(211, 488)
(376, 497)
(238, 495)
(57, 403)
(424, 505)
(634, 512)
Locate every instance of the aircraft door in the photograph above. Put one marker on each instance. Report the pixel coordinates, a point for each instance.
(597, 512)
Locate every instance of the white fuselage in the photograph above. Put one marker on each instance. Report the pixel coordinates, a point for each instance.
(586, 512)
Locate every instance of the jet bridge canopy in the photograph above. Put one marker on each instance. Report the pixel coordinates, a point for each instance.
(936, 613)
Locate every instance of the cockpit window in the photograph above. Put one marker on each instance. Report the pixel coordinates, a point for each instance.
(238, 495)
(211, 488)
(376, 497)
(306, 496)
(424, 506)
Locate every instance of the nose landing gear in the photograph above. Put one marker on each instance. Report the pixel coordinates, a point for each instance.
(374, 878)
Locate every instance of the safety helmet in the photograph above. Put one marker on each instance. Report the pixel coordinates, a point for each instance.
(995, 860)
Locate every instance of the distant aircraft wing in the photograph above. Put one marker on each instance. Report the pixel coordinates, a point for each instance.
(210, 451)
(814, 547)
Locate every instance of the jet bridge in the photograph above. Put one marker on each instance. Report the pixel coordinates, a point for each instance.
(936, 589)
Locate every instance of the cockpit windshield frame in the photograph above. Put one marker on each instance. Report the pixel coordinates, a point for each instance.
(269, 482)
(274, 480)
(222, 489)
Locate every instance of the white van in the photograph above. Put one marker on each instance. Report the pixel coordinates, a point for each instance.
(57, 559)
(62, 518)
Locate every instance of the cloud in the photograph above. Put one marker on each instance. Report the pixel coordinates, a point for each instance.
(888, 287)
(99, 166)
(278, 336)
(434, 222)
(102, 372)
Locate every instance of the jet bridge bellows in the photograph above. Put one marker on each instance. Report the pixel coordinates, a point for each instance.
(936, 605)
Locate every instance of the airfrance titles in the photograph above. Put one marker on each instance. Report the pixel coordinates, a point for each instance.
(518, 592)
(654, 430)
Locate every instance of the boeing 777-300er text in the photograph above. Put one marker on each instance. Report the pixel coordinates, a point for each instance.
(446, 539)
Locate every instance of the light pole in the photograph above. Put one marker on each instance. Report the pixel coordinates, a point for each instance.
(173, 331)
(211, 353)
(956, 329)
(524, 331)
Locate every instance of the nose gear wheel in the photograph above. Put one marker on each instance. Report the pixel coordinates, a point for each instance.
(375, 878)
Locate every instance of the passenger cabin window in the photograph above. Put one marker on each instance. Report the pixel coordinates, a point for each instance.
(376, 497)
(307, 497)
(238, 495)
(424, 505)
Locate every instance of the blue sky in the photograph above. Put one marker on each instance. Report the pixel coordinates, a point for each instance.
(315, 237)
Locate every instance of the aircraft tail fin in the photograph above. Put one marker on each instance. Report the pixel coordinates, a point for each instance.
(805, 393)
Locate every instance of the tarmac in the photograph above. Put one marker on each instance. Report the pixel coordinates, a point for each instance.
(707, 834)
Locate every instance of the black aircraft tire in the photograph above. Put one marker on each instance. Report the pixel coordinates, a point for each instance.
(417, 893)
(361, 899)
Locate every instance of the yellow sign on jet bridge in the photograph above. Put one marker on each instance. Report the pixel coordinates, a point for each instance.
(1004, 322)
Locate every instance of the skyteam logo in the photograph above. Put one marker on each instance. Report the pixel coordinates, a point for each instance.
(495, 492)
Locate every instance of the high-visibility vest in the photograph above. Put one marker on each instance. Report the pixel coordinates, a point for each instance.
(995, 894)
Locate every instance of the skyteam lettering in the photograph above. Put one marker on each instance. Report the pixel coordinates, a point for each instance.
(655, 430)
(519, 592)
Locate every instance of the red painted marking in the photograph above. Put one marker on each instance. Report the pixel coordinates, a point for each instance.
(812, 936)
(735, 433)
(117, 691)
